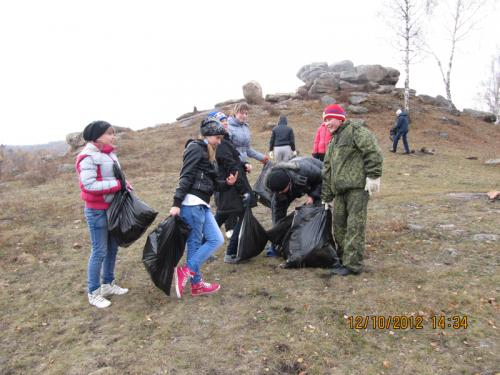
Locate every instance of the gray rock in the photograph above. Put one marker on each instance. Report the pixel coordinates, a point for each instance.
(485, 116)
(327, 100)
(302, 92)
(252, 92)
(322, 86)
(279, 97)
(75, 141)
(467, 196)
(347, 86)
(384, 89)
(492, 162)
(310, 72)
(358, 109)
(341, 66)
(482, 237)
(355, 100)
(415, 227)
(452, 252)
(443, 135)
(451, 121)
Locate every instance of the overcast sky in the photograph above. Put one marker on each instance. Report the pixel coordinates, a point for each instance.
(137, 64)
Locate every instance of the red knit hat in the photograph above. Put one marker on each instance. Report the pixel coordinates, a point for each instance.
(334, 111)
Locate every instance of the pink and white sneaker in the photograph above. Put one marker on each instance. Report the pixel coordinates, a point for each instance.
(202, 287)
(181, 277)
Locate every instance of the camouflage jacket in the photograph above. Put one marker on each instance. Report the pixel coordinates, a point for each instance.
(352, 155)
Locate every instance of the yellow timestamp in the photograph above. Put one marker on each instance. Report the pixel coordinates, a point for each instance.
(403, 322)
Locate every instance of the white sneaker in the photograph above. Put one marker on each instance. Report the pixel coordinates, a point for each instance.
(229, 233)
(109, 289)
(96, 299)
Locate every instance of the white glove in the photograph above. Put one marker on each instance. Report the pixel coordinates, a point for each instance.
(372, 185)
(271, 154)
(294, 153)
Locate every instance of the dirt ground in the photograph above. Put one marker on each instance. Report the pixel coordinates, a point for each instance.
(432, 251)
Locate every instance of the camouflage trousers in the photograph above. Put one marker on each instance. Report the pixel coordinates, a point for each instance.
(349, 223)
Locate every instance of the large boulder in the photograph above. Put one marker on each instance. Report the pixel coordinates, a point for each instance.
(485, 116)
(279, 97)
(341, 66)
(75, 141)
(310, 72)
(252, 91)
(320, 78)
(327, 84)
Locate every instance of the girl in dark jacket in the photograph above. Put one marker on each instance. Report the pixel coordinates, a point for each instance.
(197, 182)
(231, 202)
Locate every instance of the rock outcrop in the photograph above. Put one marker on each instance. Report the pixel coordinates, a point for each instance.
(252, 91)
(320, 78)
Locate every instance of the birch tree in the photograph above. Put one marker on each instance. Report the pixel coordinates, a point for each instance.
(459, 20)
(490, 93)
(405, 18)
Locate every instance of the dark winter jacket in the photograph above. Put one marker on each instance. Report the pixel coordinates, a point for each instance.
(228, 162)
(198, 175)
(282, 135)
(305, 175)
(402, 123)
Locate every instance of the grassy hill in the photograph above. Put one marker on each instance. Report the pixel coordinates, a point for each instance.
(432, 250)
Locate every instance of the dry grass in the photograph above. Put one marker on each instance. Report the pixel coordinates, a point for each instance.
(421, 259)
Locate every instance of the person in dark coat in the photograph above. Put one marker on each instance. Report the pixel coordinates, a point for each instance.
(291, 180)
(401, 131)
(231, 202)
(282, 142)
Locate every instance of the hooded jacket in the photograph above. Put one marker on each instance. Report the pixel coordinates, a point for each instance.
(240, 136)
(282, 135)
(402, 123)
(305, 175)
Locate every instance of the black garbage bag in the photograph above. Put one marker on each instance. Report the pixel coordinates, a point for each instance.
(252, 238)
(163, 250)
(392, 133)
(309, 242)
(128, 217)
(278, 232)
(264, 194)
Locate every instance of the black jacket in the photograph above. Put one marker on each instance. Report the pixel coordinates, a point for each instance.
(198, 175)
(305, 174)
(282, 136)
(228, 162)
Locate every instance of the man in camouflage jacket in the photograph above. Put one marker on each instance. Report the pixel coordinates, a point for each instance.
(351, 173)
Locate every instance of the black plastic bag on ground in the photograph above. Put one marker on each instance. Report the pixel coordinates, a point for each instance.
(309, 242)
(252, 238)
(265, 195)
(128, 218)
(163, 250)
(278, 232)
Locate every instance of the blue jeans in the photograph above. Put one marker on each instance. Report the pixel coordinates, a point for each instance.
(203, 239)
(104, 249)
(405, 141)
